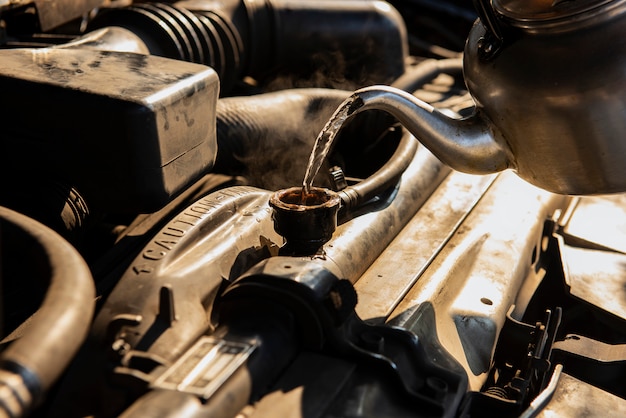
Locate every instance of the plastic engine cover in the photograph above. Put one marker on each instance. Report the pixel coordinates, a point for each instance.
(128, 130)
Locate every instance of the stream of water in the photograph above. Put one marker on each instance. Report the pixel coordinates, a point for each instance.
(324, 142)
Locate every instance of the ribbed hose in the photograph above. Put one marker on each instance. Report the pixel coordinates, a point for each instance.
(305, 43)
(176, 32)
(32, 363)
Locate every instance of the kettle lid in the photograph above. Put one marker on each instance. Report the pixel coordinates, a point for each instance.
(536, 15)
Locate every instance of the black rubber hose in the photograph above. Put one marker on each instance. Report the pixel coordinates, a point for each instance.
(388, 175)
(422, 73)
(32, 363)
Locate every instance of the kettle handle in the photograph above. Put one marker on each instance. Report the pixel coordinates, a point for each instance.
(493, 40)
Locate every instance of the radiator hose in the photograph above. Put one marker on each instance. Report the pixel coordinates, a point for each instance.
(32, 362)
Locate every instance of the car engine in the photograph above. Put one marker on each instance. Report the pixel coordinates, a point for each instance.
(174, 241)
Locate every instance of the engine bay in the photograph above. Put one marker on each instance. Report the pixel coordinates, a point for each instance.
(158, 260)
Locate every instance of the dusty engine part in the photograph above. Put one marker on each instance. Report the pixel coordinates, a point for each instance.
(155, 122)
(322, 308)
(145, 328)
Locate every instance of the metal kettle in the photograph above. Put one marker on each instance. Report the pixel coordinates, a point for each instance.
(549, 81)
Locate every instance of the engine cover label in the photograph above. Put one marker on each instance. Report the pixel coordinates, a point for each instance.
(205, 366)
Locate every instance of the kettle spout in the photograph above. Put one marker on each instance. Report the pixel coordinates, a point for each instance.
(471, 145)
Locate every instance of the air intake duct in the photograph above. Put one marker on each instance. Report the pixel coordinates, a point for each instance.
(324, 43)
